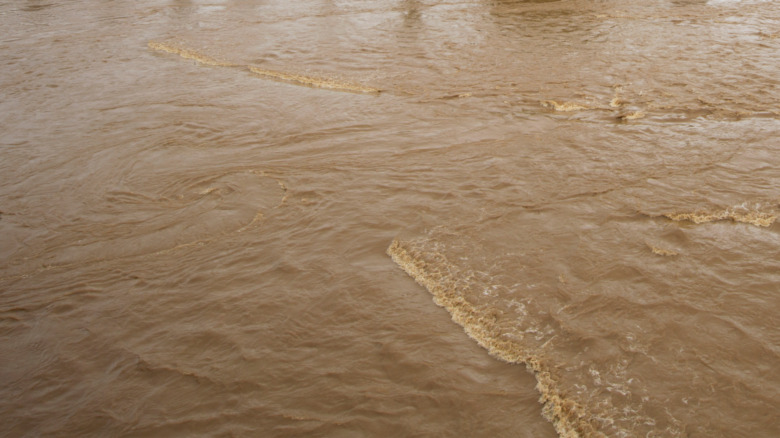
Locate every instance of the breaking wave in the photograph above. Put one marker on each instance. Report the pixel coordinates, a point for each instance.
(434, 272)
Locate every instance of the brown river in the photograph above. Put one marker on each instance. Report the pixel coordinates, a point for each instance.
(353, 218)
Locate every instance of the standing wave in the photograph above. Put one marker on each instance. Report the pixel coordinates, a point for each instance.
(433, 271)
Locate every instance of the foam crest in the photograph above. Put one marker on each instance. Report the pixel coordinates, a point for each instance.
(753, 217)
(188, 54)
(662, 251)
(562, 107)
(293, 78)
(433, 271)
(313, 81)
(633, 115)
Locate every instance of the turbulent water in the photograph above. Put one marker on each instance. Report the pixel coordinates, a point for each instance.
(208, 211)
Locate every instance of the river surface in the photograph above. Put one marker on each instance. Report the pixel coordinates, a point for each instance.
(229, 218)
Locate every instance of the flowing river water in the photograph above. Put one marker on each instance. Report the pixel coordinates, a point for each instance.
(228, 218)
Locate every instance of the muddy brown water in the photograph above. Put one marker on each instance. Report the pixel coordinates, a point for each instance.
(228, 218)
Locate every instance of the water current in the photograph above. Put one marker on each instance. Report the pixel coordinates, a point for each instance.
(228, 218)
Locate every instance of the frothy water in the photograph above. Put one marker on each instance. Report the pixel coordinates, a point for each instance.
(208, 211)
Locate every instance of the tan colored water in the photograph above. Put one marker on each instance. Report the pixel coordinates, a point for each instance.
(208, 211)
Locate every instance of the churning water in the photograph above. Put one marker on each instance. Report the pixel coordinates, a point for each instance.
(208, 211)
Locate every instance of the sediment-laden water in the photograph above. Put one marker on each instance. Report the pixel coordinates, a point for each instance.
(228, 218)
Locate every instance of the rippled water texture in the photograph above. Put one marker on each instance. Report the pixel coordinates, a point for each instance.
(208, 211)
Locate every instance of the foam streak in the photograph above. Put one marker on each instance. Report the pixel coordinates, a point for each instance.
(293, 78)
